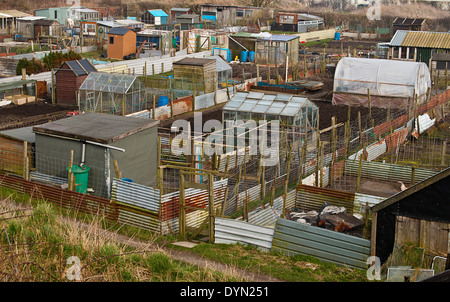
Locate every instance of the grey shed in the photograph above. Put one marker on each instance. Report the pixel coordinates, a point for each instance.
(105, 137)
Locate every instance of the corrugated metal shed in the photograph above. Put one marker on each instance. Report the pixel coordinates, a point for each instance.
(398, 37)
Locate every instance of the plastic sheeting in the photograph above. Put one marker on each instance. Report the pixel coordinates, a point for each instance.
(396, 80)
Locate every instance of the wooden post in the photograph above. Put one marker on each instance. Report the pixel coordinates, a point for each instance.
(286, 183)
(369, 104)
(211, 207)
(117, 171)
(70, 174)
(245, 187)
(333, 149)
(321, 164)
(444, 145)
(154, 107)
(272, 195)
(257, 74)
(413, 174)
(182, 217)
(25, 160)
(358, 180)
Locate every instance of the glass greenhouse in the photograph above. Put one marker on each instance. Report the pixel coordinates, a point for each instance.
(112, 93)
(288, 109)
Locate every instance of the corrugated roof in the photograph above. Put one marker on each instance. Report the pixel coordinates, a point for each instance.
(427, 39)
(408, 21)
(102, 128)
(280, 38)
(12, 13)
(119, 31)
(398, 37)
(180, 9)
(158, 13)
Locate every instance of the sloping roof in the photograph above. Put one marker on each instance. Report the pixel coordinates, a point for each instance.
(194, 61)
(158, 13)
(12, 13)
(408, 21)
(21, 134)
(221, 64)
(97, 127)
(46, 22)
(280, 38)
(81, 67)
(31, 18)
(421, 39)
(119, 31)
(180, 9)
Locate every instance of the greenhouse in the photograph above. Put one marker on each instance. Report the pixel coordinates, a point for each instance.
(389, 83)
(288, 109)
(112, 93)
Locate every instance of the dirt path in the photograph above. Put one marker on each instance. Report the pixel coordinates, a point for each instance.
(184, 256)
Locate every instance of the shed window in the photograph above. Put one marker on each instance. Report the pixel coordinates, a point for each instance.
(56, 14)
(111, 40)
(240, 13)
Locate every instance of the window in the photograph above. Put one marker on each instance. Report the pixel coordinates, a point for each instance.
(56, 14)
(239, 13)
(209, 13)
(111, 40)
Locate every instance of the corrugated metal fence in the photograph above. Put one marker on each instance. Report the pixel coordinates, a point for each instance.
(291, 238)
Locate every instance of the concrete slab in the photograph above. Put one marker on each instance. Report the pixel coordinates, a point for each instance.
(185, 244)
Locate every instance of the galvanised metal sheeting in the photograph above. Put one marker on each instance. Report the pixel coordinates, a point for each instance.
(237, 201)
(138, 219)
(291, 238)
(266, 217)
(373, 151)
(193, 198)
(311, 198)
(136, 195)
(362, 199)
(231, 231)
(386, 171)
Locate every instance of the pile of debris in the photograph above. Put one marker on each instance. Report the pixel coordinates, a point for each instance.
(328, 217)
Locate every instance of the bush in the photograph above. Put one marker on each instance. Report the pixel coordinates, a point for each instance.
(50, 61)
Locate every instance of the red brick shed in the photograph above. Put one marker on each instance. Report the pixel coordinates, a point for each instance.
(68, 79)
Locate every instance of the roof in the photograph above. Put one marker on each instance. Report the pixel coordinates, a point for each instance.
(180, 9)
(188, 16)
(221, 64)
(108, 82)
(158, 13)
(279, 38)
(31, 18)
(408, 21)
(45, 22)
(194, 61)
(86, 10)
(119, 31)
(97, 127)
(411, 190)
(421, 39)
(80, 67)
(256, 102)
(21, 134)
(12, 13)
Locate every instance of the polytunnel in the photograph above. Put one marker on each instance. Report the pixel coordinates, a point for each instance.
(386, 83)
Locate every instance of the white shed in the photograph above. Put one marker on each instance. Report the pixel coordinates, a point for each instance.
(389, 82)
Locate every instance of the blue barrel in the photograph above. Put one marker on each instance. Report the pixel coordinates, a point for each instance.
(244, 55)
(127, 179)
(228, 55)
(337, 36)
(163, 101)
(251, 56)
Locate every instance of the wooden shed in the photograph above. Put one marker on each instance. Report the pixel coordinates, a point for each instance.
(419, 215)
(47, 28)
(68, 79)
(121, 43)
(199, 72)
(12, 150)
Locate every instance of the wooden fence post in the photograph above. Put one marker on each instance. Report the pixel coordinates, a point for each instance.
(182, 217)
(25, 160)
(211, 207)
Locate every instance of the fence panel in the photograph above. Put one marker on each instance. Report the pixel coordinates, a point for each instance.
(231, 231)
(291, 238)
(136, 195)
(310, 198)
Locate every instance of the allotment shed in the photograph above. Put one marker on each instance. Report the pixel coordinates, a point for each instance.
(97, 140)
(390, 83)
(12, 149)
(121, 43)
(68, 79)
(198, 71)
(419, 214)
